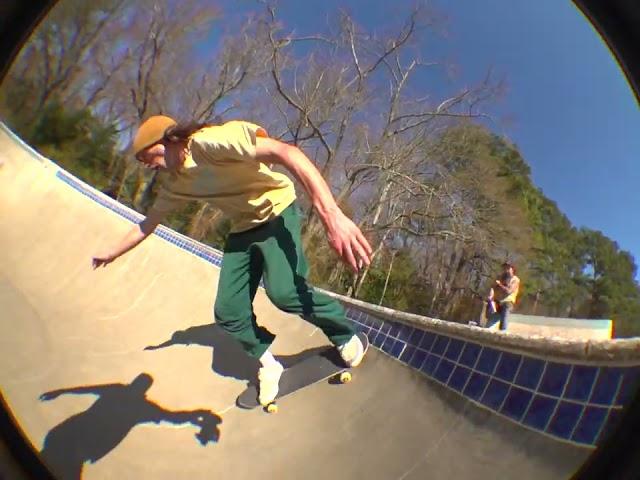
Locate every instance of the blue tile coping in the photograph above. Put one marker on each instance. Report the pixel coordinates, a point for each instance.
(567, 400)
(571, 390)
(200, 250)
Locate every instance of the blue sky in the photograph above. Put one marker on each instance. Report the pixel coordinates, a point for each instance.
(570, 109)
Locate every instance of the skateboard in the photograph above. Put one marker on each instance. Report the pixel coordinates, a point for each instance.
(490, 313)
(492, 308)
(326, 364)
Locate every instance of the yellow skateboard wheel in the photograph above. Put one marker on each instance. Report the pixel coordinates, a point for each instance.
(345, 377)
(272, 408)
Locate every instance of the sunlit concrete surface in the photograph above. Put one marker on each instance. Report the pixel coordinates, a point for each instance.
(148, 384)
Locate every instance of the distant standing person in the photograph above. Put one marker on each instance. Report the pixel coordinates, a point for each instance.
(508, 287)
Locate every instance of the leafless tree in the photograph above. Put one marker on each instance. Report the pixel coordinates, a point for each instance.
(354, 74)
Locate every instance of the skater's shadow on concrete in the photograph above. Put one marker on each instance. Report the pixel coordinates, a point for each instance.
(90, 435)
(229, 360)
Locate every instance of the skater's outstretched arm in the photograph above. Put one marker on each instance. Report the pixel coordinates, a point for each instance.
(131, 239)
(344, 236)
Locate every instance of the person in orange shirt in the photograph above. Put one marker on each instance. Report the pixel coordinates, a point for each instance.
(228, 166)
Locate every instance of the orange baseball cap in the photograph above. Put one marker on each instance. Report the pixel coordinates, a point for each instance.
(151, 131)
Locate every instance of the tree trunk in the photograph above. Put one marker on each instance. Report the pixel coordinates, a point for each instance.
(336, 273)
(536, 299)
(359, 280)
(376, 217)
(194, 229)
(386, 281)
(144, 202)
(140, 190)
(118, 181)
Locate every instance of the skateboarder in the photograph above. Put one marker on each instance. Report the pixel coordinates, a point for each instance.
(229, 166)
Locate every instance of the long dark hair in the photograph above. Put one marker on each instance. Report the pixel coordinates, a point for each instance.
(182, 131)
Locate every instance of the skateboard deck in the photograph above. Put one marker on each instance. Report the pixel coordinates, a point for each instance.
(492, 307)
(324, 365)
(491, 314)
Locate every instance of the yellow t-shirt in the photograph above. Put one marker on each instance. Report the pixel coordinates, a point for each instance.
(514, 283)
(221, 169)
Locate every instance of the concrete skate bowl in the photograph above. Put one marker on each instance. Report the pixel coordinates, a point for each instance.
(121, 373)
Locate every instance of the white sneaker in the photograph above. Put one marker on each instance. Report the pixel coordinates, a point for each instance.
(352, 352)
(269, 378)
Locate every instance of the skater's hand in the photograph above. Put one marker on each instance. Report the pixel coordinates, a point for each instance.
(348, 241)
(102, 260)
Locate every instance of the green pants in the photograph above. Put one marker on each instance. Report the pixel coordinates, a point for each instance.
(273, 251)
